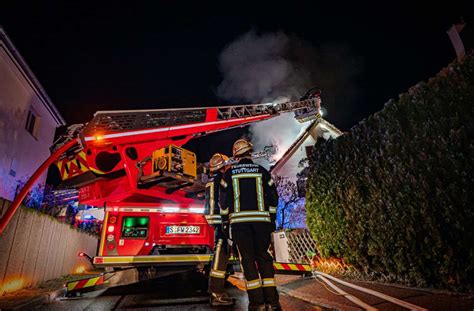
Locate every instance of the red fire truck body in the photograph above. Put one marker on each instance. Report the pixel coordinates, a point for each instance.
(144, 219)
(112, 148)
(154, 205)
(132, 164)
(153, 230)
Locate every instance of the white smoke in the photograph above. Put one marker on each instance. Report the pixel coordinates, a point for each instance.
(275, 67)
(256, 68)
(281, 132)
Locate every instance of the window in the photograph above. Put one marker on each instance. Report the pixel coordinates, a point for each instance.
(32, 123)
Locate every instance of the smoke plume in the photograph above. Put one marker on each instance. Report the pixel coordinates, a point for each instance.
(276, 67)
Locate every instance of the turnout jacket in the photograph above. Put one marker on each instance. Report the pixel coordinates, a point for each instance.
(247, 194)
(211, 206)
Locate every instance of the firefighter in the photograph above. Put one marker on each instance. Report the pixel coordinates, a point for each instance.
(248, 199)
(221, 248)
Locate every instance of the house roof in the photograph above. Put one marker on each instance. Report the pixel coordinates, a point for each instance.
(302, 138)
(29, 76)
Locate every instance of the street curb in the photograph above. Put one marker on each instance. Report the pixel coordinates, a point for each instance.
(294, 294)
(36, 301)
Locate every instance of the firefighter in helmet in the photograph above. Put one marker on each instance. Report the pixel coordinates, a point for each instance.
(248, 199)
(221, 248)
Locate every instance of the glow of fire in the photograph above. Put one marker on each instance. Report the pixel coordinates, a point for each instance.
(80, 269)
(329, 265)
(12, 284)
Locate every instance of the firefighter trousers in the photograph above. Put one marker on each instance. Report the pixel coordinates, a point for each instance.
(253, 241)
(219, 262)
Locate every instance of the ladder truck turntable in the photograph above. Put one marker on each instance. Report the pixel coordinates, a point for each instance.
(131, 163)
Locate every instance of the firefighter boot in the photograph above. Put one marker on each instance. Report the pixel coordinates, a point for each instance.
(257, 308)
(273, 307)
(221, 299)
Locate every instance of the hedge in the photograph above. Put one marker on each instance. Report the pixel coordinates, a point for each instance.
(393, 196)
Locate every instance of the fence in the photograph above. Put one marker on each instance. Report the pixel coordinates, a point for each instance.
(300, 243)
(294, 246)
(36, 247)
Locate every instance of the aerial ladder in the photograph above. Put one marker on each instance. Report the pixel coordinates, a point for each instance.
(131, 162)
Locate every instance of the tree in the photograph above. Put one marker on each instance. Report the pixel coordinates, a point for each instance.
(291, 211)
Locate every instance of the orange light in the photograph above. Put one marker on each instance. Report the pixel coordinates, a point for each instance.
(330, 265)
(80, 269)
(98, 137)
(11, 285)
(111, 229)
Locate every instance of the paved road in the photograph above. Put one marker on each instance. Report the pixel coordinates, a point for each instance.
(185, 291)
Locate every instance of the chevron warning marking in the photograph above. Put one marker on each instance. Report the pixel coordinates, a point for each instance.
(89, 282)
(284, 266)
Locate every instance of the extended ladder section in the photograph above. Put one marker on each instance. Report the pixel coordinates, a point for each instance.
(123, 143)
(107, 122)
(110, 144)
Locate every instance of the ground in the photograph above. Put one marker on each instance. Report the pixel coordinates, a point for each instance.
(177, 292)
(10, 300)
(188, 291)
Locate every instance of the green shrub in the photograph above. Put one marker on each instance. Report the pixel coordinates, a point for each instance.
(393, 196)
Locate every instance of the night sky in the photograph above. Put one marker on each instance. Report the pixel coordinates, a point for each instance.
(162, 55)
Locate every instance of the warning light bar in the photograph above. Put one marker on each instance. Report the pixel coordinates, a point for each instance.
(163, 209)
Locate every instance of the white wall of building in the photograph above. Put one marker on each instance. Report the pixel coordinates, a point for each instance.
(20, 152)
(291, 169)
(287, 166)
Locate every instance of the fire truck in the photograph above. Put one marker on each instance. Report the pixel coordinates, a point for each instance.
(132, 163)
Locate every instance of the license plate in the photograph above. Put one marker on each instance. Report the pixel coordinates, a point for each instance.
(183, 230)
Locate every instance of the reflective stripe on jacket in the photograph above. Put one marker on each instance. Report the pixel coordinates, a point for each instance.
(247, 194)
(211, 207)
